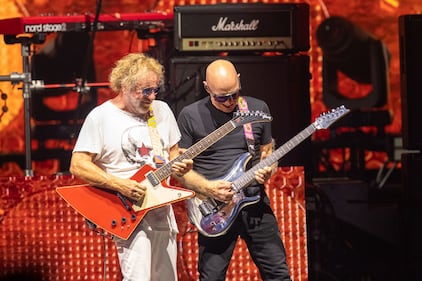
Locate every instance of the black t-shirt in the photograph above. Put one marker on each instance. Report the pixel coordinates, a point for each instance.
(201, 118)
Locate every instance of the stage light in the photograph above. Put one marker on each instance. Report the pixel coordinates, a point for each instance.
(350, 52)
(355, 73)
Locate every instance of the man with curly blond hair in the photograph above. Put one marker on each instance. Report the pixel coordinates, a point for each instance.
(117, 138)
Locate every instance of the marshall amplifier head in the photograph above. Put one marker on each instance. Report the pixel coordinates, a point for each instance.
(242, 27)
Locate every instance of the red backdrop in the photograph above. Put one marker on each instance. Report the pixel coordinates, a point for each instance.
(382, 23)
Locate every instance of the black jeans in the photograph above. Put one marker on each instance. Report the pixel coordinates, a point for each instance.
(257, 226)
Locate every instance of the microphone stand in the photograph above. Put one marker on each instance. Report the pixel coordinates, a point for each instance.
(25, 77)
(77, 86)
(29, 85)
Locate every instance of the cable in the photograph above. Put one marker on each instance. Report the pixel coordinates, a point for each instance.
(92, 226)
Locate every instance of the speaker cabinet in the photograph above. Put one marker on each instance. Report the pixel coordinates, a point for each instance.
(411, 210)
(282, 81)
(410, 31)
(353, 232)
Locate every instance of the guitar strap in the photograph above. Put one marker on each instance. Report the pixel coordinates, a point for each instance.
(157, 147)
(247, 128)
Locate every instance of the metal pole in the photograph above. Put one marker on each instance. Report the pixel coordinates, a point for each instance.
(27, 108)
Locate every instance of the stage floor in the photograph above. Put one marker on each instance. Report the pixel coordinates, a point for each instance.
(40, 235)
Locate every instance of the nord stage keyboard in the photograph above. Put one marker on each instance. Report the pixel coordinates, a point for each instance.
(67, 23)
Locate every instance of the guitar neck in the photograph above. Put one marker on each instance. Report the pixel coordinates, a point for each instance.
(165, 171)
(249, 176)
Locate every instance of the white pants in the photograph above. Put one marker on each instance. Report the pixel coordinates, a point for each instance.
(148, 256)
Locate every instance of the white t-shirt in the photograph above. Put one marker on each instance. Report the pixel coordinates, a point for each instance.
(122, 146)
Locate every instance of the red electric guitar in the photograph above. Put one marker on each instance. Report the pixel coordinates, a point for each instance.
(119, 215)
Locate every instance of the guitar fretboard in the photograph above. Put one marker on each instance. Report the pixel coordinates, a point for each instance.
(249, 176)
(241, 118)
(164, 171)
(322, 122)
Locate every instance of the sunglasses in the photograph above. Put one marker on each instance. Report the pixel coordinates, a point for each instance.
(224, 98)
(146, 92)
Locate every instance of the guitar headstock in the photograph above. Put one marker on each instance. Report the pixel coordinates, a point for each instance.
(327, 118)
(244, 117)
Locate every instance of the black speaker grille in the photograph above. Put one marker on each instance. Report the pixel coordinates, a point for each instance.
(282, 81)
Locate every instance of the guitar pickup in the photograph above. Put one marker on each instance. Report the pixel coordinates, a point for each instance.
(207, 207)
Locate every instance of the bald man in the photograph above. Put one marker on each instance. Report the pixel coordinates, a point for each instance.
(214, 170)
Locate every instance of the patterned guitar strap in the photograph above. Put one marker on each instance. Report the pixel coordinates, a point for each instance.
(247, 128)
(157, 146)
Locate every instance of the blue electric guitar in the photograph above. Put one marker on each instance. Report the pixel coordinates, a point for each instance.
(214, 218)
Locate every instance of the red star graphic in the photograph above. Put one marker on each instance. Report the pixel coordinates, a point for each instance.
(143, 150)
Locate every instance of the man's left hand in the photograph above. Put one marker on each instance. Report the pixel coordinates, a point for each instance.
(264, 174)
(179, 169)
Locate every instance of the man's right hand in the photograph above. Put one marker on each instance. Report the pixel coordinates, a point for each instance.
(220, 190)
(132, 189)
